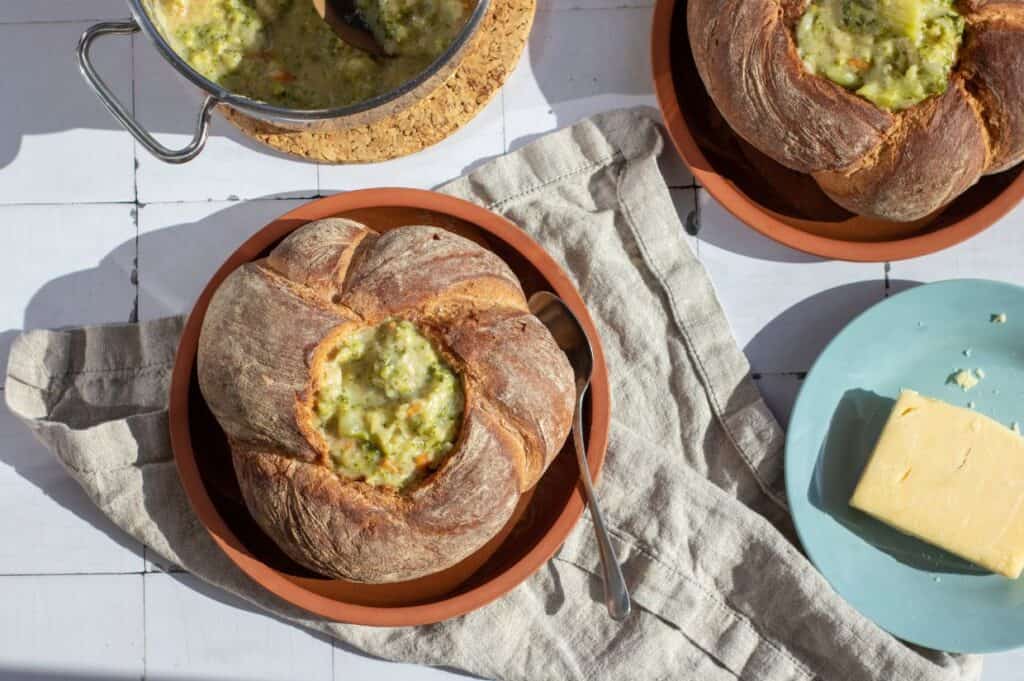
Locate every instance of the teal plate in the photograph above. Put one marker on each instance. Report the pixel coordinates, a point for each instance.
(913, 340)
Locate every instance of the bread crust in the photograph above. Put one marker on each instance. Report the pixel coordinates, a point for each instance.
(993, 62)
(748, 62)
(910, 174)
(973, 6)
(901, 166)
(512, 361)
(266, 335)
(253, 369)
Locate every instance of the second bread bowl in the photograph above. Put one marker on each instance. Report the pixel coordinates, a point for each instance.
(880, 142)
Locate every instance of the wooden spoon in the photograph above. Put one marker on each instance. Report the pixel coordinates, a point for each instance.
(345, 21)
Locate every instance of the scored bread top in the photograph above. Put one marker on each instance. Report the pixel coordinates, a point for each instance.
(266, 333)
(747, 59)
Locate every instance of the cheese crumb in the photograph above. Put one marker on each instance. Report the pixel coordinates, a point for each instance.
(1015, 427)
(968, 352)
(970, 405)
(966, 379)
(998, 318)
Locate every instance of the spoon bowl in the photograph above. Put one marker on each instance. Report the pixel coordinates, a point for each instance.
(567, 332)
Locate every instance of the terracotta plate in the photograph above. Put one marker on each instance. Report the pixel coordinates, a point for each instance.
(544, 516)
(784, 205)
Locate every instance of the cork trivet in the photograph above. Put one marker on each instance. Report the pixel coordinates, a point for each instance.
(488, 62)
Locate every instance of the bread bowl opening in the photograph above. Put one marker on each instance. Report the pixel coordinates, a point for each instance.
(388, 405)
(894, 53)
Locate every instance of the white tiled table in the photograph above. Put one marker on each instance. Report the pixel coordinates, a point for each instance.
(96, 230)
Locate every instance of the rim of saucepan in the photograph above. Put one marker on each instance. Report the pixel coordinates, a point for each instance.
(184, 455)
(267, 110)
(760, 219)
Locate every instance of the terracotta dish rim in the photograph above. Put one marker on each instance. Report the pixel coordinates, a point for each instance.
(460, 603)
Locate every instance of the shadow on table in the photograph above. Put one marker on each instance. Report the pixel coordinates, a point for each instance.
(572, 78)
(179, 259)
(16, 673)
(12, 672)
(183, 256)
(50, 96)
(230, 600)
(716, 226)
(792, 341)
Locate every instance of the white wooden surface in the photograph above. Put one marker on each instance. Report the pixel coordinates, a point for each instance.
(95, 230)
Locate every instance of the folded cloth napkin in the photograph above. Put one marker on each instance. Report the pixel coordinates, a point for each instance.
(692, 486)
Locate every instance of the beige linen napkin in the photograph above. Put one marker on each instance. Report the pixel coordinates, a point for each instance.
(692, 486)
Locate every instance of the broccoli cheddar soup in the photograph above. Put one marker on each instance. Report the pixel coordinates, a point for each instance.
(894, 53)
(282, 52)
(388, 405)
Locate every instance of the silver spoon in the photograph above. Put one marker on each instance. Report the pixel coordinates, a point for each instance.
(348, 24)
(570, 336)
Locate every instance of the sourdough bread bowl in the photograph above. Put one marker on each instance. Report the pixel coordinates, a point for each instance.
(898, 157)
(544, 516)
(387, 398)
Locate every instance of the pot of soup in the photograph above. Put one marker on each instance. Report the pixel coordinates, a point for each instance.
(279, 61)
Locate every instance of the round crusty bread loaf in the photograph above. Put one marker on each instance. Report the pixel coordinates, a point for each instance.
(266, 334)
(895, 166)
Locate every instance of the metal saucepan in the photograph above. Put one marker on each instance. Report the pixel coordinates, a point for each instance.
(336, 118)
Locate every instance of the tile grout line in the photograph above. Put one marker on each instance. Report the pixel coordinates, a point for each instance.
(696, 214)
(145, 631)
(133, 316)
(135, 144)
(504, 119)
(143, 204)
(132, 573)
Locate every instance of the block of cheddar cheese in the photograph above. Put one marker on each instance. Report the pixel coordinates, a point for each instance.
(951, 477)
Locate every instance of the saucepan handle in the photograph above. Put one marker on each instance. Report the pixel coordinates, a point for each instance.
(117, 110)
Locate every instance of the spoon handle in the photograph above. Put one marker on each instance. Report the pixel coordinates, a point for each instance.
(616, 596)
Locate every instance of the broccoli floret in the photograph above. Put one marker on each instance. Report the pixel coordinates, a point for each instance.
(860, 16)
